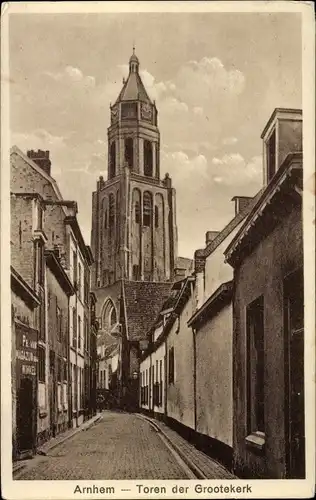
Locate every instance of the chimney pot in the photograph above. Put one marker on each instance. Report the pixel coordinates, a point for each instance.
(241, 203)
(210, 236)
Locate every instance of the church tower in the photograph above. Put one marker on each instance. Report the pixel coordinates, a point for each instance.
(134, 233)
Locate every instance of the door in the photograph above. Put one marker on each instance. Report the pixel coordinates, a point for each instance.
(295, 334)
(25, 415)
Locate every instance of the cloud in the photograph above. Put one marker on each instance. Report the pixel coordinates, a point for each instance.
(229, 141)
(198, 82)
(234, 170)
(72, 75)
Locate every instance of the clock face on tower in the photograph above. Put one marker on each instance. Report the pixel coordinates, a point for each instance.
(146, 112)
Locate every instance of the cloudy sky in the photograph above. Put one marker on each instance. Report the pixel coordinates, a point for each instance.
(216, 78)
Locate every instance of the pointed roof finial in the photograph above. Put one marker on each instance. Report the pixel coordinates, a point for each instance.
(133, 48)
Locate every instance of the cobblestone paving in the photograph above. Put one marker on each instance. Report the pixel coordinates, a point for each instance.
(120, 446)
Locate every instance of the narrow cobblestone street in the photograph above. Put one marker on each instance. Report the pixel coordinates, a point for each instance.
(120, 446)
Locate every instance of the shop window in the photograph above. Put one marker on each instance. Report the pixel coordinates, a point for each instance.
(255, 366)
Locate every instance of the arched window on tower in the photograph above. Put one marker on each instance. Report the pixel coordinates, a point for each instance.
(111, 216)
(109, 316)
(156, 216)
(129, 152)
(147, 209)
(112, 166)
(148, 159)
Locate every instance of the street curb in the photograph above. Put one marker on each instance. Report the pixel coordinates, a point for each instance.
(18, 467)
(46, 448)
(194, 468)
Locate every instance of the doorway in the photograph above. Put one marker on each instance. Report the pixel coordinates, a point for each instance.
(294, 323)
(25, 415)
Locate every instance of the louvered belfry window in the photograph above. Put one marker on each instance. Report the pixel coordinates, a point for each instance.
(147, 209)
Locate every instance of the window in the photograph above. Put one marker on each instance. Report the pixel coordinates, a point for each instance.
(74, 327)
(40, 262)
(111, 215)
(105, 219)
(41, 364)
(113, 319)
(160, 383)
(79, 332)
(65, 371)
(105, 276)
(136, 276)
(59, 369)
(86, 339)
(129, 110)
(137, 212)
(171, 365)
(156, 216)
(112, 166)
(148, 159)
(79, 280)
(147, 209)
(59, 322)
(129, 152)
(255, 366)
(271, 163)
(74, 258)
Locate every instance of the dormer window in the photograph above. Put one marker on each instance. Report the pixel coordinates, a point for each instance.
(271, 156)
(281, 136)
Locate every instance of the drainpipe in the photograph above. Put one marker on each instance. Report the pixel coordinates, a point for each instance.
(194, 377)
(194, 364)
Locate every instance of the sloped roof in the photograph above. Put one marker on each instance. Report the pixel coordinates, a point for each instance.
(133, 89)
(184, 263)
(143, 303)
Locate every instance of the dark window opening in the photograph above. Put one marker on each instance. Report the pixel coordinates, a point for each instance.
(171, 366)
(147, 209)
(136, 276)
(271, 164)
(137, 212)
(129, 110)
(113, 319)
(41, 364)
(156, 216)
(255, 366)
(59, 322)
(111, 215)
(105, 219)
(112, 166)
(129, 152)
(148, 159)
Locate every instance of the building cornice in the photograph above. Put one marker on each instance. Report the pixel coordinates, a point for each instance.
(221, 297)
(56, 268)
(291, 167)
(21, 288)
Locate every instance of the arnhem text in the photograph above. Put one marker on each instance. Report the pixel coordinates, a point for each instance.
(142, 489)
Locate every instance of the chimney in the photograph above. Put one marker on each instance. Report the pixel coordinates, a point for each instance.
(210, 236)
(241, 203)
(199, 267)
(179, 273)
(41, 158)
